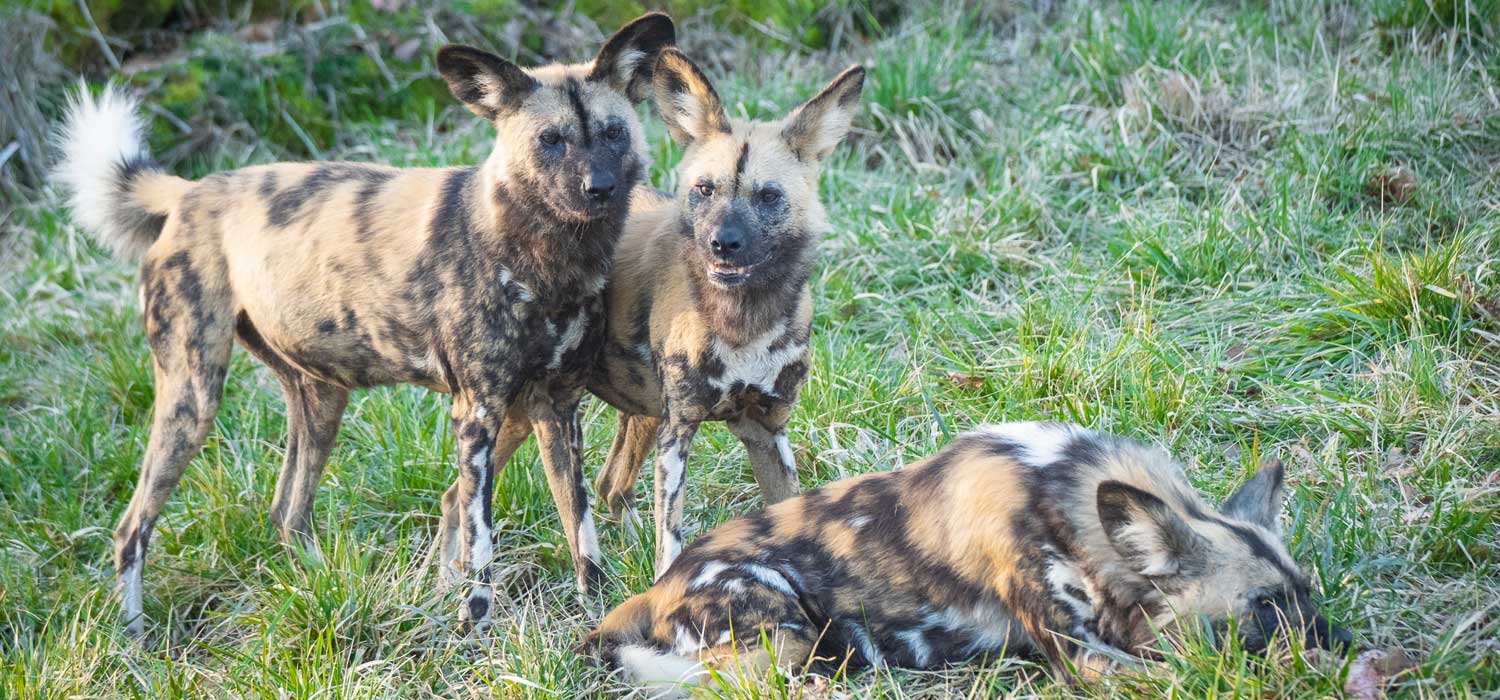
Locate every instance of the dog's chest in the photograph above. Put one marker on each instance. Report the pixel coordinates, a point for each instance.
(561, 337)
(728, 379)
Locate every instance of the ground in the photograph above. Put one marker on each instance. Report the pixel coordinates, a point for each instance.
(1236, 230)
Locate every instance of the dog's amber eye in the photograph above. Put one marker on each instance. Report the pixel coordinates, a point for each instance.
(614, 132)
(705, 189)
(551, 137)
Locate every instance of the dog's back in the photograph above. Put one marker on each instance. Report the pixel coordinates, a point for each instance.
(1023, 537)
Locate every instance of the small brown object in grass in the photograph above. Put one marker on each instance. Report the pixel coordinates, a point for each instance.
(1394, 185)
(972, 382)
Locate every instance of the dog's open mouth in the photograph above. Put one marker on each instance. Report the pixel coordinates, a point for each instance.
(729, 275)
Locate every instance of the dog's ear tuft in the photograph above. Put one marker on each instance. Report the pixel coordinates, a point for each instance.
(1259, 499)
(627, 59)
(815, 128)
(1151, 538)
(686, 100)
(487, 84)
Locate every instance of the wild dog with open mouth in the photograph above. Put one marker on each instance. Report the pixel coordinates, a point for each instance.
(484, 282)
(708, 304)
(1023, 537)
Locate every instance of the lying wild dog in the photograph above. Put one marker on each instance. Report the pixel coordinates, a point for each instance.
(484, 282)
(1022, 537)
(708, 304)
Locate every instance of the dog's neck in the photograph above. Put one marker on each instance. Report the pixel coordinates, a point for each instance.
(559, 259)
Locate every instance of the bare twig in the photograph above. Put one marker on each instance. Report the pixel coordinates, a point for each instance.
(98, 35)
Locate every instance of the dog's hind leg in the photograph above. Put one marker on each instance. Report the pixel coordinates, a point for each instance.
(616, 481)
(314, 410)
(188, 324)
(513, 432)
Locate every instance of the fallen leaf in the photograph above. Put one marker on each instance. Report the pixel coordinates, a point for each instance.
(1394, 185)
(1369, 671)
(264, 30)
(1237, 352)
(972, 382)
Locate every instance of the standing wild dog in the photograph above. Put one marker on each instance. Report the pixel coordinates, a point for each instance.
(484, 282)
(1023, 537)
(708, 304)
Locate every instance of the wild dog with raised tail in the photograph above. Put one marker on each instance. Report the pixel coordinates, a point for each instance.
(709, 309)
(1040, 538)
(483, 282)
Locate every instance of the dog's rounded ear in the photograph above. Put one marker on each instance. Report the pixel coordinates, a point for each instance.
(1259, 499)
(627, 59)
(1145, 531)
(487, 84)
(686, 100)
(815, 128)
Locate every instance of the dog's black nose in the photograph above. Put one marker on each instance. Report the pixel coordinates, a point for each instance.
(727, 241)
(599, 186)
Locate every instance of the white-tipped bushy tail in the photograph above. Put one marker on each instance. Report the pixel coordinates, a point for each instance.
(103, 160)
(659, 676)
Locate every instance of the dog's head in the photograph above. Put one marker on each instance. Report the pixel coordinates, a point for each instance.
(748, 191)
(1230, 567)
(569, 139)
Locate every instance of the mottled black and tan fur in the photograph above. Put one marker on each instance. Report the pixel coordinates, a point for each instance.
(1033, 538)
(483, 282)
(709, 309)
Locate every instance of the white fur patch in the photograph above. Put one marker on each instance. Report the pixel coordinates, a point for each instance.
(95, 139)
(859, 522)
(691, 116)
(755, 364)
(626, 64)
(490, 88)
(568, 341)
(684, 641)
(508, 281)
(670, 548)
(866, 645)
(131, 594)
(916, 641)
(784, 448)
(662, 676)
(482, 549)
(672, 472)
(707, 574)
(1060, 576)
(588, 539)
(988, 626)
(770, 577)
(1043, 442)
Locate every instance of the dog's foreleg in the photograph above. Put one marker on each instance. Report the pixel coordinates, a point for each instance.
(513, 432)
(560, 441)
(771, 458)
(476, 424)
(672, 444)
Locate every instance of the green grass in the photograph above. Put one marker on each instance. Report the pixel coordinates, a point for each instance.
(1152, 218)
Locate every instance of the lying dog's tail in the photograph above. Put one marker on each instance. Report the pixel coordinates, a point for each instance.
(623, 641)
(115, 190)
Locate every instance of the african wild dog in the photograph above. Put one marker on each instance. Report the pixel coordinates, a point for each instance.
(1022, 537)
(484, 282)
(708, 305)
